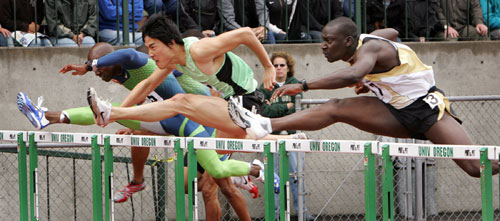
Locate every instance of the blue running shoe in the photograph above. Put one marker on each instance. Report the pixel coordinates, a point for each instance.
(34, 113)
(276, 184)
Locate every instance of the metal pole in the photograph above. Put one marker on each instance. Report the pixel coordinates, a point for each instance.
(268, 186)
(409, 189)
(284, 174)
(486, 186)
(179, 181)
(387, 185)
(419, 189)
(96, 180)
(33, 177)
(125, 19)
(23, 180)
(370, 185)
(300, 187)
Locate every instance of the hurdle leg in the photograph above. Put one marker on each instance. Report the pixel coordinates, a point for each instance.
(108, 180)
(269, 181)
(486, 186)
(33, 152)
(179, 181)
(370, 187)
(192, 170)
(387, 185)
(96, 180)
(23, 180)
(284, 177)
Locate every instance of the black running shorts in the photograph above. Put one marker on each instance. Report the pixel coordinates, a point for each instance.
(418, 117)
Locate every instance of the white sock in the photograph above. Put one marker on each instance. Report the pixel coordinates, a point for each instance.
(62, 116)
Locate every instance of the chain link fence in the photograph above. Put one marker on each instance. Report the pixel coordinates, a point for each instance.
(334, 183)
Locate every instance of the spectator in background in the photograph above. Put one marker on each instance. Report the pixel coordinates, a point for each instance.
(322, 12)
(349, 11)
(290, 16)
(491, 15)
(25, 21)
(457, 24)
(282, 106)
(107, 21)
(5, 39)
(385, 14)
(205, 15)
(423, 20)
(154, 6)
(71, 23)
(247, 13)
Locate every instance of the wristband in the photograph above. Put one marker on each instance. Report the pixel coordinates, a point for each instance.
(91, 65)
(304, 85)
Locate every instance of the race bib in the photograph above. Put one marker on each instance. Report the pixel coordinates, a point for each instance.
(433, 100)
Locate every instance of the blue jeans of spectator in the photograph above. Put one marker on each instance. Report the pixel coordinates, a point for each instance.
(495, 34)
(153, 6)
(109, 35)
(294, 184)
(67, 42)
(315, 36)
(5, 41)
(280, 37)
(270, 38)
(41, 42)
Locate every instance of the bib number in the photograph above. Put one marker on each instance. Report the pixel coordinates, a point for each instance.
(433, 100)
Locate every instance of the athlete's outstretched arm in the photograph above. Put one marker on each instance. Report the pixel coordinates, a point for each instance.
(145, 87)
(207, 49)
(364, 61)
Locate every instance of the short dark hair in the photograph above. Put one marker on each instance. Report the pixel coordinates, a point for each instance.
(160, 27)
(346, 25)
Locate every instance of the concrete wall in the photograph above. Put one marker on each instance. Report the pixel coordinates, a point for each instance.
(461, 68)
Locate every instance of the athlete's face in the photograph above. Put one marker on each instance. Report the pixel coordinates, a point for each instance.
(159, 52)
(105, 73)
(281, 67)
(334, 44)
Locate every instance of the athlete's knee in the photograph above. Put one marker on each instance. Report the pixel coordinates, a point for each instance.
(216, 173)
(332, 107)
(185, 101)
(471, 167)
(228, 190)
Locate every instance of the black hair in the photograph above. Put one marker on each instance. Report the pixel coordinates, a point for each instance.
(193, 33)
(346, 26)
(160, 27)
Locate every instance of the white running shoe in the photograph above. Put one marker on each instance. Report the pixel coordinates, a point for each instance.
(34, 112)
(100, 108)
(299, 136)
(255, 125)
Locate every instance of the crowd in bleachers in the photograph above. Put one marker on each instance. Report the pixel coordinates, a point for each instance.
(83, 22)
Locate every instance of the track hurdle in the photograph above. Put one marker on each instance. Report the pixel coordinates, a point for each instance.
(240, 145)
(483, 153)
(108, 140)
(367, 148)
(20, 137)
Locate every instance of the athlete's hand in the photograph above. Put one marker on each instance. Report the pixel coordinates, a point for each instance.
(269, 78)
(287, 89)
(125, 131)
(360, 88)
(79, 69)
